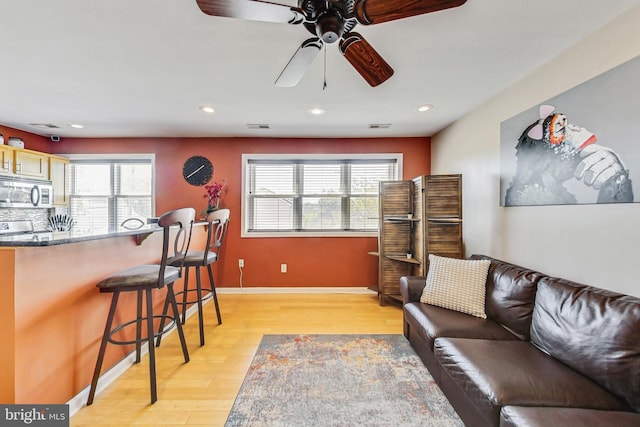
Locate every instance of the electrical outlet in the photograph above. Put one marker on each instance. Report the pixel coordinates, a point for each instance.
(241, 263)
(283, 268)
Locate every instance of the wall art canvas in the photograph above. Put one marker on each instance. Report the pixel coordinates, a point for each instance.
(582, 146)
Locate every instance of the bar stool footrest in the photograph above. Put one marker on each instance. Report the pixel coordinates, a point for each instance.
(117, 329)
(205, 297)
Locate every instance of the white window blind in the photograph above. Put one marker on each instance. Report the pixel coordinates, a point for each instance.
(288, 194)
(104, 192)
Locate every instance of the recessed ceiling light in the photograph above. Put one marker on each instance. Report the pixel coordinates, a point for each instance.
(258, 126)
(207, 109)
(317, 111)
(76, 125)
(425, 107)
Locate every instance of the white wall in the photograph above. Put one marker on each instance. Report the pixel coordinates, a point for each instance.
(593, 244)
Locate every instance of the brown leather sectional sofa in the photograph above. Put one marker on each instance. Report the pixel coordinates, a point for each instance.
(550, 353)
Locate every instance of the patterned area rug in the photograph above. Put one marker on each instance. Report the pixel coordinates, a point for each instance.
(339, 380)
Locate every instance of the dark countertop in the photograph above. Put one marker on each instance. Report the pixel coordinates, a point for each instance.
(51, 238)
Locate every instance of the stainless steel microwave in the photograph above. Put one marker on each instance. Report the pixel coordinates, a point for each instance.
(16, 192)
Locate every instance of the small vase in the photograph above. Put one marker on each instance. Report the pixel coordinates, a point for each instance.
(214, 207)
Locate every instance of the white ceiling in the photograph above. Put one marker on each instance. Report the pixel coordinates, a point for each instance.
(132, 68)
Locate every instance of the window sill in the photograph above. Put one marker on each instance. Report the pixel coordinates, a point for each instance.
(297, 234)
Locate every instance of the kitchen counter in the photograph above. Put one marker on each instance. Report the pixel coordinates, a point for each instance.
(53, 315)
(50, 238)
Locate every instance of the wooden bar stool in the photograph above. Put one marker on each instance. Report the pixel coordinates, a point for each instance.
(143, 279)
(217, 229)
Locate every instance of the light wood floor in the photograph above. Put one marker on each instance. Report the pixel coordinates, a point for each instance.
(201, 392)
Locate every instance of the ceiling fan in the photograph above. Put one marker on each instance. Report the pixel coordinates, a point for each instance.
(330, 21)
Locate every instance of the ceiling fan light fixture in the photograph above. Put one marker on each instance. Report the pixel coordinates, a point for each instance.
(329, 21)
(330, 26)
(207, 109)
(424, 107)
(317, 111)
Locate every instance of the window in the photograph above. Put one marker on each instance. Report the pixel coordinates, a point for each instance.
(298, 195)
(106, 190)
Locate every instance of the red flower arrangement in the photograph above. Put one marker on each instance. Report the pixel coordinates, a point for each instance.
(214, 194)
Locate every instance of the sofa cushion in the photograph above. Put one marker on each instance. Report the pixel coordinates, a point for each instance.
(499, 373)
(511, 292)
(431, 322)
(457, 284)
(518, 416)
(594, 331)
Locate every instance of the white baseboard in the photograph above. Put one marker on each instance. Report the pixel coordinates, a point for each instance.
(79, 401)
(296, 290)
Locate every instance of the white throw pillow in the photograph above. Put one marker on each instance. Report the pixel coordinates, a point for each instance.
(457, 284)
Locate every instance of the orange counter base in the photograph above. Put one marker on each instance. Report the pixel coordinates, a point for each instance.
(53, 316)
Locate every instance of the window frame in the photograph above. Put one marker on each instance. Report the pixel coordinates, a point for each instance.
(244, 208)
(115, 158)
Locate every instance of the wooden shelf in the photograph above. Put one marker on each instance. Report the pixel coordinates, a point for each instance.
(434, 228)
(396, 297)
(401, 218)
(445, 220)
(403, 258)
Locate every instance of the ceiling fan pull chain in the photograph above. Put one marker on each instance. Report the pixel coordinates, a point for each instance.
(324, 85)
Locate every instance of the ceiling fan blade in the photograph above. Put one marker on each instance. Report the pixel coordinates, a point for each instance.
(364, 58)
(369, 12)
(253, 10)
(299, 63)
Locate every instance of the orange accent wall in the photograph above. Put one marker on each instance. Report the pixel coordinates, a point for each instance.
(311, 262)
(7, 335)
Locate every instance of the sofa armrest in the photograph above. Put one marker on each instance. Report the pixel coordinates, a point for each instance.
(411, 288)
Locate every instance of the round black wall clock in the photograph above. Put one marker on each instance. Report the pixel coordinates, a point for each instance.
(197, 170)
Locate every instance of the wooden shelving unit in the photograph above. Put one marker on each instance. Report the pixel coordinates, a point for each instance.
(420, 216)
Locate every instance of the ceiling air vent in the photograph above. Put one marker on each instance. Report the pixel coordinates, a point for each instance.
(379, 125)
(45, 125)
(258, 126)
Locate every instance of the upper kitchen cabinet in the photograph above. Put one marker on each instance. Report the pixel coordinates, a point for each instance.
(32, 164)
(59, 176)
(6, 159)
